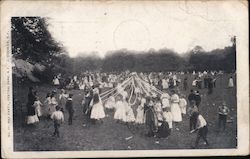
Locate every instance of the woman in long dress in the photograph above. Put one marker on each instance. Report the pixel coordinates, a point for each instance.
(31, 113)
(175, 108)
(140, 112)
(97, 111)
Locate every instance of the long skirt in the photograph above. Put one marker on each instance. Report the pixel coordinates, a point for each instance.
(120, 114)
(97, 111)
(31, 119)
(140, 117)
(130, 117)
(168, 118)
(176, 112)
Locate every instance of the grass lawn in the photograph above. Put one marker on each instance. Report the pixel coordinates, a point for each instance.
(111, 135)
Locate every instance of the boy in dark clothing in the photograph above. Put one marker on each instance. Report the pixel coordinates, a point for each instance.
(191, 96)
(197, 98)
(69, 107)
(192, 109)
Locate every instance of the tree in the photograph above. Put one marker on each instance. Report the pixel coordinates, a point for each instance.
(33, 43)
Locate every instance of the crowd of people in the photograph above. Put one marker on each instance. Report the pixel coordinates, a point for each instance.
(160, 110)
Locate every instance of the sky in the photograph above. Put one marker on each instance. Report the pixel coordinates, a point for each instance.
(100, 27)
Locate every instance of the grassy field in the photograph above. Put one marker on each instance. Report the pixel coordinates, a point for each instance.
(111, 135)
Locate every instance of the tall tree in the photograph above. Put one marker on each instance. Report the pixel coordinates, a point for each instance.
(32, 41)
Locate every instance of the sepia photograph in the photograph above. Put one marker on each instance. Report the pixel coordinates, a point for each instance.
(112, 76)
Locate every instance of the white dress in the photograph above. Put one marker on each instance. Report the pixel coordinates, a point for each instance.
(140, 115)
(52, 105)
(158, 111)
(56, 82)
(230, 83)
(31, 119)
(46, 106)
(175, 108)
(130, 117)
(63, 99)
(165, 100)
(167, 116)
(97, 111)
(110, 103)
(183, 105)
(164, 84)
(37, 104)
(120, 112)
(140, 112)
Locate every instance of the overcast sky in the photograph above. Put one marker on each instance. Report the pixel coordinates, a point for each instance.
(101, 27)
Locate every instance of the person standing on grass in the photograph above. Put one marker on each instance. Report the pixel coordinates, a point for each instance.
(174, 107)
(230, 82)
(69, 108)
(197, 98)
(58, 119)
(37, 104)
(31, 113)
(46, 108)
(192, 109)
(53, 103)
(97, 111)
(223, 112)
(191, 96)
(202, 129)
(63, 98)
(183, 104)
(210, 85)
(185, 83)
(150, 118)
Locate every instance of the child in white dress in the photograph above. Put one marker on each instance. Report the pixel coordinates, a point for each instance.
(37, 104)
(140, 112)
(97, 112)
(175, 108)
(110, 103)
(183, 104)
(120, 112)
(158, 109)
(167, 116)
(130, 117)
(231, 82)
(53, 104)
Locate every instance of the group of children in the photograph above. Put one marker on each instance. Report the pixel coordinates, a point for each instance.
(157, 112)
(50, 108)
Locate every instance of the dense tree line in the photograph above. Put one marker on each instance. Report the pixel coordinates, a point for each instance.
(162, 60)
(33, 43)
